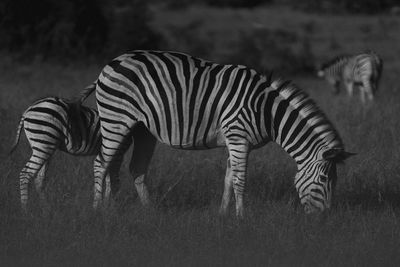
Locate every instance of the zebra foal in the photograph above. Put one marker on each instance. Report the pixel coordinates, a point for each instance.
(191, 103)
(363, 70)
(54, 123)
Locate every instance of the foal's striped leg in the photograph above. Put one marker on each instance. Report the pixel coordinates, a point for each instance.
(32, 167)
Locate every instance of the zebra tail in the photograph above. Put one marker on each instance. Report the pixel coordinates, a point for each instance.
(75, 124)
(85, 93)
(16, 141)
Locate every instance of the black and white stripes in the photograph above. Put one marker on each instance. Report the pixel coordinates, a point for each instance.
(53, 123)
(363, 70)
(50, 124)
(190, 103)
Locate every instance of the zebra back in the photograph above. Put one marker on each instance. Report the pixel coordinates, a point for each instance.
(75, 127)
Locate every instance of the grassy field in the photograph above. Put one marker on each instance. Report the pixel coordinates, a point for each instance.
(362, 228)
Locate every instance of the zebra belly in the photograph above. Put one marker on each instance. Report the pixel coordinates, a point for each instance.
(211, 141)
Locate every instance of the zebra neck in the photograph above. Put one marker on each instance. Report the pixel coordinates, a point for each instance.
(294, 122)
(339, 64)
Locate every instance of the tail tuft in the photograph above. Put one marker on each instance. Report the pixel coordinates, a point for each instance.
(16, 141)
(76, 124)
(85, 93)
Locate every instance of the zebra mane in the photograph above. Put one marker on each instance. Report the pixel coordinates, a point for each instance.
(334, 61)
(305, 105)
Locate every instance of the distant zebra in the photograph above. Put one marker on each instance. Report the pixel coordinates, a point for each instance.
(52, 123)
(190, 103)
(363, 70)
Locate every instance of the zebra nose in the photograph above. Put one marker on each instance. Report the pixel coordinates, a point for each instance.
(328, 206)
(308, 209)
(311, 209)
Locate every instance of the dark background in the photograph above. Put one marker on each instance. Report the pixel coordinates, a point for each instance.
(99, 29)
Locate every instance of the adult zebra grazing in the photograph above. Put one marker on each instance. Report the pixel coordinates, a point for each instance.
(190, 103)
(54, 123)
(363, 70)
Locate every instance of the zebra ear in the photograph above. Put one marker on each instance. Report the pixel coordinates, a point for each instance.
(337, 154)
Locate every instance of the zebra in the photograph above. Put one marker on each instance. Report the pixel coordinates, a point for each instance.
(53, 123)
(362, 69)
(191, 103)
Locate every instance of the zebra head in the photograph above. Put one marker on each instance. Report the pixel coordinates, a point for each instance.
(316, 182)
(320, 73)
(320, 69)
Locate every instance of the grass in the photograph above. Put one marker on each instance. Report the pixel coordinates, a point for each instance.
(361, 229)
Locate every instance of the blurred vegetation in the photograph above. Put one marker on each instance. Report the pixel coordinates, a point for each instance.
(236, 3)
(344, 6)
(65, 28)
(274, 50)
(81, 28)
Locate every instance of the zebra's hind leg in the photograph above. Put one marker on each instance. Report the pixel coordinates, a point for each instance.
(99, 174)
(349, 87)
(113, 182)
(371, 89)
(144, 145)
(112, 149)
(238, 155)
(226, 197)
(366, 91)
(40, 182)
(31, 169)
(336, 87)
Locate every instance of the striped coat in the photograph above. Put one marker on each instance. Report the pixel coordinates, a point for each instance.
(190, 103)
(54, 123)
(49, 126)
(363, 70)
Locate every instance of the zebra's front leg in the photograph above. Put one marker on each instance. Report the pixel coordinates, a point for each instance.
(226, 197)
(238, 155)
(144, 145)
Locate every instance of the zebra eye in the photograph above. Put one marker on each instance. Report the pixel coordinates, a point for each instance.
(323, 178)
